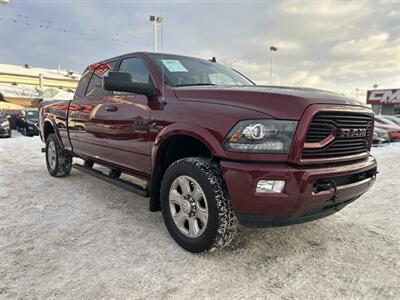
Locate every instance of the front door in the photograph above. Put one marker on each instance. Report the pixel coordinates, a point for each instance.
(126, 125)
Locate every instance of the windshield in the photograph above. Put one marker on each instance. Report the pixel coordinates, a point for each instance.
(32, 114)
(186, 71)
(2, 115)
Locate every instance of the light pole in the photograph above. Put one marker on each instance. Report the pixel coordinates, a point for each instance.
(376, 107)
(398, 65)
(273, 49)
(155, 20)
(357, 90)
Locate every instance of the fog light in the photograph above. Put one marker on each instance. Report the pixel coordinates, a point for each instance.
(270, 186)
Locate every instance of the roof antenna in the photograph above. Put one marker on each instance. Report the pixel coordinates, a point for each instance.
(213, 59)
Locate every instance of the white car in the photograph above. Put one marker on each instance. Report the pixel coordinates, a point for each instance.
(5, 130)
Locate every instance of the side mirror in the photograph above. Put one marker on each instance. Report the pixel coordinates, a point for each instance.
(122, 82)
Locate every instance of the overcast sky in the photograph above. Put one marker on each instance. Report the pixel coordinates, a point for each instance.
(336, 45)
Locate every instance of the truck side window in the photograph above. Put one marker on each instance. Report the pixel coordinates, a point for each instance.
(95, 84)
(137, 68)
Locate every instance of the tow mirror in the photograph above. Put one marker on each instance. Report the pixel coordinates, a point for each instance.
(122, 82)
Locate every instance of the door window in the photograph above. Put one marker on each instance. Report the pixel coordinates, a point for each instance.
(95, 88)
(137, 68)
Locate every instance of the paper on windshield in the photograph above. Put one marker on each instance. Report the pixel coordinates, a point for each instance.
(174, 65)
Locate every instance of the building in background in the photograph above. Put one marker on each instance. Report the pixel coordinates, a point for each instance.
(23, 85)
(385, 102)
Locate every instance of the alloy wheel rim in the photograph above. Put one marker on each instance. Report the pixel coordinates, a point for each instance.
(51, 155)
(188, 206)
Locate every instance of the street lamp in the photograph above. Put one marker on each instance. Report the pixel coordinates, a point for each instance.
(357, 90)
(273, 49)
(156, 20)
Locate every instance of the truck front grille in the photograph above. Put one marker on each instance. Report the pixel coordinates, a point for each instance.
(347, 133)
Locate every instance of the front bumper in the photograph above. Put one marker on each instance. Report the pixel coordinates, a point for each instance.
(301, 199)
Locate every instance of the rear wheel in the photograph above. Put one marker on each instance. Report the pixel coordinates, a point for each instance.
(59, 163)
(196, 207)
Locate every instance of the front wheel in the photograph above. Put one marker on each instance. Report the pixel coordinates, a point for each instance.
(59, 163)
(196, 207)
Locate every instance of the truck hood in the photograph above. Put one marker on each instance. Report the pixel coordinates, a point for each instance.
(277, 102)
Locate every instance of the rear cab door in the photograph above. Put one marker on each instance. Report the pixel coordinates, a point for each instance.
(87, 113)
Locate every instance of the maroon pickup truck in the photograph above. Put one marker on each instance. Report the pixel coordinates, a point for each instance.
(214, 149)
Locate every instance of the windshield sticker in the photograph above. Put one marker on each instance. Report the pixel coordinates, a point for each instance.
(174, 65)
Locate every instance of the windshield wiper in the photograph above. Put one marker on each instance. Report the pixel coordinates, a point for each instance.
(196, 84)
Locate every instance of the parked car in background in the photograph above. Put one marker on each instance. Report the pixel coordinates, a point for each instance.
(5, 130)
(386, 120)
(28, 123)
(380, 136)
(392, 129)
(395, 120)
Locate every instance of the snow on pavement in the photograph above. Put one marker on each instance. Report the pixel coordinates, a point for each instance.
(78, 237)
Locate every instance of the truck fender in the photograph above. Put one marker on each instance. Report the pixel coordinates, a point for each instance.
(166, 133)
(50, 120)
(187, 129)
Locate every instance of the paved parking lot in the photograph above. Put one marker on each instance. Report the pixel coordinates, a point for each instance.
(79, 237)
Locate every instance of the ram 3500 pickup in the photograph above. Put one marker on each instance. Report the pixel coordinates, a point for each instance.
(215, 149)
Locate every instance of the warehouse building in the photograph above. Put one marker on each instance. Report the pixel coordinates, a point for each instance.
(23, 85)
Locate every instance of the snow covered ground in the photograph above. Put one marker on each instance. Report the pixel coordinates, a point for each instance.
(79, 237)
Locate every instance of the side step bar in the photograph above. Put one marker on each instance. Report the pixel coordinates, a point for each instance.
(130, 186)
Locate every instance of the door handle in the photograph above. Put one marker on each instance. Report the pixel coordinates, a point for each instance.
(111, 108)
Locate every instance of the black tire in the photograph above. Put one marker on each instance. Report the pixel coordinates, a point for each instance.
(62, 163)
(222, 223)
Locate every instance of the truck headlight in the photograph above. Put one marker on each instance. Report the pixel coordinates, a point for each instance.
(261, 136)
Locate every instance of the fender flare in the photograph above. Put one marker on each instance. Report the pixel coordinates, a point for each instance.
(51, 121)
(187, 129)
(181, 129)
